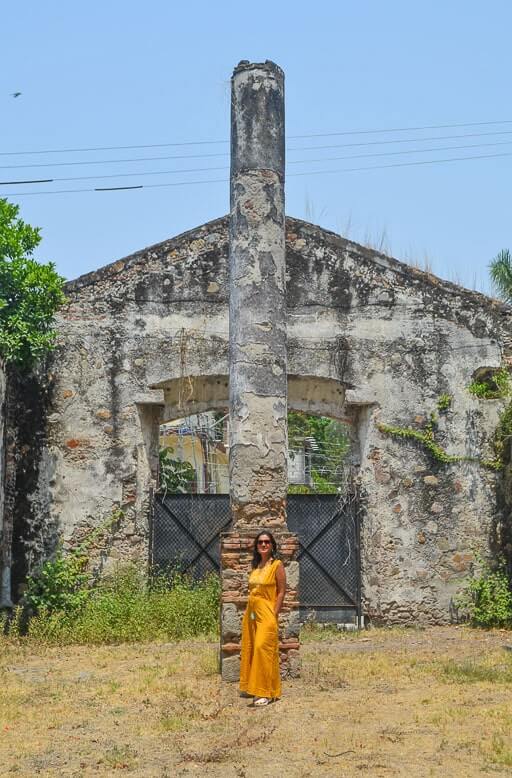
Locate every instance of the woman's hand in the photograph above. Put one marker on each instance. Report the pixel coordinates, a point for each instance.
(281, 589)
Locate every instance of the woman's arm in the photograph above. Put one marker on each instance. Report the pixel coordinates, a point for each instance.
(281, 588)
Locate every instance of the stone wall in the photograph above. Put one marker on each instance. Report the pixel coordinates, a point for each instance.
(370, 340)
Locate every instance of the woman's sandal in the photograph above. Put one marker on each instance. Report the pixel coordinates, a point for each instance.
(261, 701)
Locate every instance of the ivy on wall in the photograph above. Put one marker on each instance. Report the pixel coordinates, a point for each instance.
(426, 438)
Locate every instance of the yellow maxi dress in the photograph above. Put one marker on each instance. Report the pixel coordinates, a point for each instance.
(259, 660)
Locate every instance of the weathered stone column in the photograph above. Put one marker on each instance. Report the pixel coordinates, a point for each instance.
(257, 336)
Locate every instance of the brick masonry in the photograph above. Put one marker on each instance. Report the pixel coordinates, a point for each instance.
(236, 556)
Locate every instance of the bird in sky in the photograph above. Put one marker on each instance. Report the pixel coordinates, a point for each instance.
(15, 94)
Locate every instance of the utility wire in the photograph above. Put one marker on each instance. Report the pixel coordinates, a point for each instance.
(292, 162)
(295, 148)
(401, 164)
(220, 142)
(400, 140)
(303, 173)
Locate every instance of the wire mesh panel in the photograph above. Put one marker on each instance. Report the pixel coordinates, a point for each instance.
(328, 531)
(185, 536)
(185, 532)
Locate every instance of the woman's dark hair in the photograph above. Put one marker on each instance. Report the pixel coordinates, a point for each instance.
(256, 556)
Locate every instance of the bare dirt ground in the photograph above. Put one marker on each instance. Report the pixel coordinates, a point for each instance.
(396, 702)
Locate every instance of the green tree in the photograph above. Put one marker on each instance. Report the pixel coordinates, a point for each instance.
(30, 292)
(176, 475)
(328, 445)
(500, 270)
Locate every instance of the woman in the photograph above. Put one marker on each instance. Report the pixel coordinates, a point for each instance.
(259, 661)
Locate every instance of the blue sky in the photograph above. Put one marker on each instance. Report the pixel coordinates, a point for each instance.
(125, 73)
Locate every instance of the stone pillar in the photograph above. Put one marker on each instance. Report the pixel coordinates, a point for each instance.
(257, 338)
(257, 312)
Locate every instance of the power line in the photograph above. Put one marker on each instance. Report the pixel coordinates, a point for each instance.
(110, 161)
(225, 154)
(303, 173)
(401, 129)
(221, 142)
(292, 162)
(401, 140)
(402, 164)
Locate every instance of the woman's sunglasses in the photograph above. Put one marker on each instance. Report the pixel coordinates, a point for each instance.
(263, 542)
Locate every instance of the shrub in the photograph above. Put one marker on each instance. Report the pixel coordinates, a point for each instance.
(126, 606)
(494, 385)
(487, 598)
(60, 585)
(63, 582)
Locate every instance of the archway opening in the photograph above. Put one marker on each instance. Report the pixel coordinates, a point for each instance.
(194, 453)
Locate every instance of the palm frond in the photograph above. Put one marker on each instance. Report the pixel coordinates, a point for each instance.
(500, 271)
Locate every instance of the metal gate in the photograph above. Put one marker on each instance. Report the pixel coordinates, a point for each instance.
(185, 532)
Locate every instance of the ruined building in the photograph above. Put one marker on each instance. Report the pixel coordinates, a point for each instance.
(363, 338)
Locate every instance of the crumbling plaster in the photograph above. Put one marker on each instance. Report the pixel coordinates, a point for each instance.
(146, 338)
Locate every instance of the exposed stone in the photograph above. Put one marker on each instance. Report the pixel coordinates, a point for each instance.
(231, 622)
(292, 629)
(436, 507)
(381, 476)
(231, 668)
(430, 480)
(292, 575)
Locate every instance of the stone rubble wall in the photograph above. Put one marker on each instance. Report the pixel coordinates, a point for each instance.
(383, 340)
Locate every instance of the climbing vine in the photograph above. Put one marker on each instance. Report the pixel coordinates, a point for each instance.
(426, 438)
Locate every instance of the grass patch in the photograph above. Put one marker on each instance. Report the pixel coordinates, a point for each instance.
(471, 671)
(500, 753)
(125, 607)
(171, 723)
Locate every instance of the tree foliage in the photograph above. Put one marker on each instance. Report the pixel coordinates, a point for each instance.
(30, 292)
(331, 445)
(176, 475)
(500, 270)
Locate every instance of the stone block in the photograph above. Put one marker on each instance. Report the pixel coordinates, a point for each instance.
(293, 664)
(292, 575)
(231, 622)
(230, 669)
(292, 628)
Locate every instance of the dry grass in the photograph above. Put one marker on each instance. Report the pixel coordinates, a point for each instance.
(397, 702)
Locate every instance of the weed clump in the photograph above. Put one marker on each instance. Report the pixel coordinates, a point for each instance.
(486, 599)
(126, 606)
